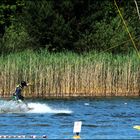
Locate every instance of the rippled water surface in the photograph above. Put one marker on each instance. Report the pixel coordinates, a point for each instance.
(102, 118)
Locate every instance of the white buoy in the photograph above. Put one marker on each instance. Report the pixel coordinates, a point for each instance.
(77, 129)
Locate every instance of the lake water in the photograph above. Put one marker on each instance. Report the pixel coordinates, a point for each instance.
(102, 118)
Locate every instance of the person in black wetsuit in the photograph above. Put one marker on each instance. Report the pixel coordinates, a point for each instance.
(17, 95)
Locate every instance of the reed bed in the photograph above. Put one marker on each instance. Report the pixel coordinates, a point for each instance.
(70, 75)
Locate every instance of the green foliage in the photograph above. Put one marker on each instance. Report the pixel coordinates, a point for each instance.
(15, 39)
(8, 13)
(38, 20)
(71, 25)
(104, 36)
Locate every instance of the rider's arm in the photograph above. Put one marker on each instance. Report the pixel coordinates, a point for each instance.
(29, 84)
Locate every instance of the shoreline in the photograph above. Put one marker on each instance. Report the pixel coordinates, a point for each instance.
(76, 98)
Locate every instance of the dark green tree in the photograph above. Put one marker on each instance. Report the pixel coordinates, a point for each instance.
(67, 25)
(9, 10)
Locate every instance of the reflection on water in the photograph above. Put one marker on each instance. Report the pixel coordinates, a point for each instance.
(102, 118)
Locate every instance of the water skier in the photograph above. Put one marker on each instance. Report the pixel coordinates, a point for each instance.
(17, 95)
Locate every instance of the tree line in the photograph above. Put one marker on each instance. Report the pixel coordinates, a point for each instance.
(67, 25)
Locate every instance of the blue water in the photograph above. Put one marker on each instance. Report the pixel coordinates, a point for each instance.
(102, 118)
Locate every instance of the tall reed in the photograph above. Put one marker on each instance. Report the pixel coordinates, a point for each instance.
(69, 74)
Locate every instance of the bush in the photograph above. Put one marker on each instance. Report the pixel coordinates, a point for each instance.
(15, 39)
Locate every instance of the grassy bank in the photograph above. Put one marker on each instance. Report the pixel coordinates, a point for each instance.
(68, 74)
